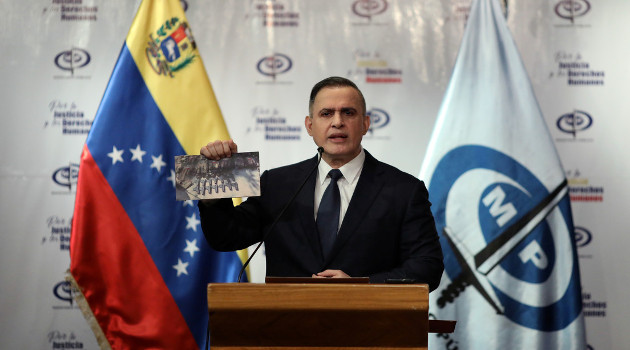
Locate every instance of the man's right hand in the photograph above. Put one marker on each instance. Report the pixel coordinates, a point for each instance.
(217, 150)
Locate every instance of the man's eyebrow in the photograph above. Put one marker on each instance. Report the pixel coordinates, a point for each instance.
(342, 109)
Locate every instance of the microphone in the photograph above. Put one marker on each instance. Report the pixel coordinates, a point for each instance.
(320, 151)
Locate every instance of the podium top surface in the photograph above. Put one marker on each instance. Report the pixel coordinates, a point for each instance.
(309, 296)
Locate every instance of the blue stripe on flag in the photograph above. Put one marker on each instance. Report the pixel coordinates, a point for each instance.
(129, 119)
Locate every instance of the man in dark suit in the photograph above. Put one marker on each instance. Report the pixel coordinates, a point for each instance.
(367, 219)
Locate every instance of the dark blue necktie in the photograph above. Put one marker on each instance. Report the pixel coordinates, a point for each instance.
(328, 213)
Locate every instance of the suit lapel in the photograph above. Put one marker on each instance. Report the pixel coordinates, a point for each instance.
(370, 184)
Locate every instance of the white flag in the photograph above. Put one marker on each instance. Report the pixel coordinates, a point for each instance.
(501, 204)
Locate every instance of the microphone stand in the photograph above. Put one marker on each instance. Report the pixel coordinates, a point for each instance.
(320, 151)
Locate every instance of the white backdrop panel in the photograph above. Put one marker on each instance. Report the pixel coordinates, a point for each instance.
(412, 44)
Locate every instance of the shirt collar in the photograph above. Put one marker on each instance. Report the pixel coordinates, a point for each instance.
(350, 170)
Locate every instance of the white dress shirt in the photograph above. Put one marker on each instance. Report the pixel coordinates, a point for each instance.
(351, 172)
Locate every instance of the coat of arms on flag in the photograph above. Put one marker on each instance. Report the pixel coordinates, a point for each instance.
(171, 47)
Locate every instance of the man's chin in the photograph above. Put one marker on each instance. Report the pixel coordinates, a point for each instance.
(335, 149)
(337, 153)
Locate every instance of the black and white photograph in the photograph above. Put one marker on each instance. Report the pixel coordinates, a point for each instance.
(197, 177)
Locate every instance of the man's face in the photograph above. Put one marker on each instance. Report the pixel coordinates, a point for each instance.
(338, 123)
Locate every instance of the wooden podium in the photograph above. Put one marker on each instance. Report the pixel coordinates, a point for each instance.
(318, 316)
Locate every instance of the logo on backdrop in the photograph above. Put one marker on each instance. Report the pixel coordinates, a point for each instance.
(573, 123)
(583, 237)
(73, 10)
(379, 119)
(58, 232)
(64, 294)
(581, 190)
(369, 8)
(66, 177)
(72, 60)
(572, 9)
(68, 117)
(273, 125)
(375, 69)
(273, 14)
(171, 47)
(64, 340)
(576, 70)
(508, 235)
(274, 65)
(460, 10)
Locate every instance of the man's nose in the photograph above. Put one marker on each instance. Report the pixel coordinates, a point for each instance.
(337, 119)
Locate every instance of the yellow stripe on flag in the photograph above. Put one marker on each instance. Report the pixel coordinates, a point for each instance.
(181, 88)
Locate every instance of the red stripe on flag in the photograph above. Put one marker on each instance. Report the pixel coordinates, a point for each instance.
(116, 273)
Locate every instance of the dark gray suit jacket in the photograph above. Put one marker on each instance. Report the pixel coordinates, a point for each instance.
(388, 231)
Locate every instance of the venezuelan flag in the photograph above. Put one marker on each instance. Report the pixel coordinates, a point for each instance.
(138, 256)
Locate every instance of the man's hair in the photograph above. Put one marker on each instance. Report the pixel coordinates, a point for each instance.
(331, 82)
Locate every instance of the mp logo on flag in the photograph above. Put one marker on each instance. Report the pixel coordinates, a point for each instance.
(507, 235)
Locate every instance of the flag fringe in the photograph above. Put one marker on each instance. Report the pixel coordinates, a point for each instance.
(102, 341)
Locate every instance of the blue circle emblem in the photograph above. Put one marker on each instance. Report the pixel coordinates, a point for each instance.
(478, 195)
(369, 8)
(573, 122)
(274, 64)
(72, 59)
(63, 291)
(569, 9)
(378, 118)
(67, 176)
(582, 236)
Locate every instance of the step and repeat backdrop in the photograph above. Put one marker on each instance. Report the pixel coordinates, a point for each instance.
(263, 57)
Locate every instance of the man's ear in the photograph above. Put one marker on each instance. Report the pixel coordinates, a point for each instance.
(308, 123)
(366, 124)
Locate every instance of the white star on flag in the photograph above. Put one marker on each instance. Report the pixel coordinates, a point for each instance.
(188, 202)
(172, 177)
(192, 222)
(181, 267)
(158, 163)
(191, 247)
(137, 153)
(116, 155)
